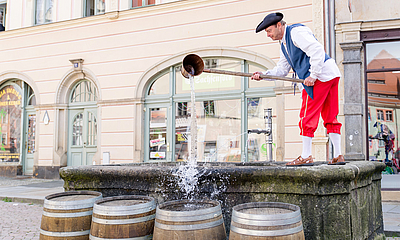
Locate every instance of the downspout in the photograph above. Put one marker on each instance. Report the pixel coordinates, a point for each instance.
(330, 43)
(330, 28)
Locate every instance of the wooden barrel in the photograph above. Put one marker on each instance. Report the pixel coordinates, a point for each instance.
(181, 220)
(266, 220)
(123, 217)
(68, 215)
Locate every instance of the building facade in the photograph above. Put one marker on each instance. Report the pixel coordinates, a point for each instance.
(367, 50)
(99, 82)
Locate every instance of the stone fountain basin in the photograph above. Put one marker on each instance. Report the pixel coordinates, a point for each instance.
(336, 202)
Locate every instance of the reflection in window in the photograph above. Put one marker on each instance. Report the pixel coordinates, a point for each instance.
(389, 116)
(10, 113)
(262, 83)
(77, 130)
(256, 144)
(379, 115)
(94, 7)
(92, 130)
(160, 86)
(84, 91)
(209, 108)
(139, 3)
(383, 89)
(31, 134)
(208, 82)
(219, 110)
(44, 9)
(218, 137)
(158, 134)
(3, 8)
(182, 109)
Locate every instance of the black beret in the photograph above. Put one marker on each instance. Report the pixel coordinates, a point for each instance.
(270, 19)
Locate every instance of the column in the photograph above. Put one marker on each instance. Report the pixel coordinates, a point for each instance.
(353, 108)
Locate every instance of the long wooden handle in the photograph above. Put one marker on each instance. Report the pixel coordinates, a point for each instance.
(250, 74)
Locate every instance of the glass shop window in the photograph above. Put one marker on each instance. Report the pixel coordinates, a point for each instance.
(383, 90)
(140, 3)
(3, 7)
(44, 11)
(94, 7)
(262, 83)
(10, 114)
(218, 134)
(158, 133)
(160, 86)
(207, 82)
(220, 105)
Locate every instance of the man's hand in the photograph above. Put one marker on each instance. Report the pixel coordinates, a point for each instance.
(309, 81)
(256, 76)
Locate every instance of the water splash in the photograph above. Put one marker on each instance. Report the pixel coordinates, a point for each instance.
(188, 174)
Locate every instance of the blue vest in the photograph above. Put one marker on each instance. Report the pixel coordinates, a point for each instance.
(298, 60)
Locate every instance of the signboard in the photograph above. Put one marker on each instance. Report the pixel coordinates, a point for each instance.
(157, 154)
(157, 142)
(210, 81)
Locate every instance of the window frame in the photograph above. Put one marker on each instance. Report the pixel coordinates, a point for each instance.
(95, 2)
(369, 37)
(144, 3)
(171, 99)
(35, 15)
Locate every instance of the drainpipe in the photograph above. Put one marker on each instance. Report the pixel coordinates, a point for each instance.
(330, 28)
(330, 43)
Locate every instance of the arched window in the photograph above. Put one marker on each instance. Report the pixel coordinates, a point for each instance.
(226, 107)
(84, 91)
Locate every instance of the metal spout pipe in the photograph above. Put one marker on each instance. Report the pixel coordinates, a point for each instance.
(193, 65)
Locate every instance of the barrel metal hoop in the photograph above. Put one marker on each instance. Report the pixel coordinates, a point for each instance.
(69, 205)
(172, 215)
(98, 206)
(64, 234)
(123, 221)
(109, 211)
(266, 233)
(67, 215)
(294, 208)
(189, 218)
(148, 237)
(189, 227)
(264, 223)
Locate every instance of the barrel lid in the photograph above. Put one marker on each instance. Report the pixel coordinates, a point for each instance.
(124, 205)
(266, 211)
(71, 199)
(188, 210)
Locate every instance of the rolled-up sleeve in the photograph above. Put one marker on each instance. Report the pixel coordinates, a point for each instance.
(282, 68)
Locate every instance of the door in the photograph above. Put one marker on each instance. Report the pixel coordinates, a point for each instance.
(30, 143)
(157, 137)
(82, 136)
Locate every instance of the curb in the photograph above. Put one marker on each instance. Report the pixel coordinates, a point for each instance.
(24, 200)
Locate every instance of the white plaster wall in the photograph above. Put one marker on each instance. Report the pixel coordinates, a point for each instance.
(363, 10)
(119, 51)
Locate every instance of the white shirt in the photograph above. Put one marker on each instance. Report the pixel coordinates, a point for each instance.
(304, 39)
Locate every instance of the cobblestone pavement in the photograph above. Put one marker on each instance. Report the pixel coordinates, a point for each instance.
(20, 221)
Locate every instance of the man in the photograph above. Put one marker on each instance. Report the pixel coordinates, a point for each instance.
(306, 56)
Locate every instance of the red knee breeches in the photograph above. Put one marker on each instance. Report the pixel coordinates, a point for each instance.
(325, 103)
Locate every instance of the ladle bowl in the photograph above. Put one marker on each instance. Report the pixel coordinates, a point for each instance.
(193, 65)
